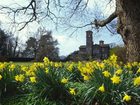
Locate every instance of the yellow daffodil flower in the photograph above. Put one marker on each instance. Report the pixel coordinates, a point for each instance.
(106, 74)
(2, 66)
(138, 71)
(72, 91)
(126, 98)
(20, 78)
(116, 79)
(137, 81)
(64, 80)
(46, 70)
(12, 67)
(118, 72)
(46, 60)
(86, 77)
(102, 88)
(33, 79)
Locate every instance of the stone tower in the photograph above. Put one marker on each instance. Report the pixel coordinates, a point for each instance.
(89, 43)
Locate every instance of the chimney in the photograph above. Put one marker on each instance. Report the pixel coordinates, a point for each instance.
(89, 43)
(101, 42)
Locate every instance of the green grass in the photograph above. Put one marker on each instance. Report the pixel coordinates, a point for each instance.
(23, 63)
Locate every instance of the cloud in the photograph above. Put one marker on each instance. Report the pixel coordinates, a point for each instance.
(103, 5)
(60, 38)
(67, 44)
(4, 18)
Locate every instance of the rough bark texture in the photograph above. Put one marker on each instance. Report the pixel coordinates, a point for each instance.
(128, 12)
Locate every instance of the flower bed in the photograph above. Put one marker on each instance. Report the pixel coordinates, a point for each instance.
(56, 83)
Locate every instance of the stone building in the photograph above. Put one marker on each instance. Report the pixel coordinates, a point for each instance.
(93, 51)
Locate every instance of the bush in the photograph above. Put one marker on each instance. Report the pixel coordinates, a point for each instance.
(120, 52)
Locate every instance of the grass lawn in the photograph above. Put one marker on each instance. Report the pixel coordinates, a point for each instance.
(24, 63)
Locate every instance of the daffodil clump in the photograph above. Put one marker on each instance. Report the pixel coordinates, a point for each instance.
(20, 78)
(107, 82)
(110, 79)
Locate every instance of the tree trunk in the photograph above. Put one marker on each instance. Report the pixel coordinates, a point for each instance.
(128, 13)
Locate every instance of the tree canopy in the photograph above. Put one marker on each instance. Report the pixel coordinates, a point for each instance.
(8, 45)
(44, 46)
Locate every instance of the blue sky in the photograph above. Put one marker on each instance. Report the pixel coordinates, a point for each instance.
(67, 43)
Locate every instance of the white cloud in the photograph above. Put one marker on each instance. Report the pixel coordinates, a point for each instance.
(60, 38)
(14, 2)
(4, 18)
(67, 44)
(105, 6)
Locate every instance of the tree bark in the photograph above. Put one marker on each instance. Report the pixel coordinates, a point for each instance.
(128, 12)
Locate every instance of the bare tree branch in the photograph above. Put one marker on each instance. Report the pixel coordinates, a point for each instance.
(81, 26)
(34, 15)
(30, 6)
(106, 21)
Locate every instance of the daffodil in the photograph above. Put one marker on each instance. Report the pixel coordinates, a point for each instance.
(20, 77)
(118, 72)
(24, 68)
(33, 79)
(106, 74)
(86, 77)
(46, 60)
(41, 65)
(56, 65)
(64, 80)
(70, 67)
(134, 63)
(46, 70)
(115, 79)
(126, 98)
(102, 66)
(12, 67)
(72, 91)
(113, 58)
(128, 66)
(102, 88)
(2, 66)
(138, 71)
(137, 81)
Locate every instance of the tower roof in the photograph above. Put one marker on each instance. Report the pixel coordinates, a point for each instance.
(89, 31)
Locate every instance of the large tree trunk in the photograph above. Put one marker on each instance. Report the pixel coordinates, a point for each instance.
(128, 13)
